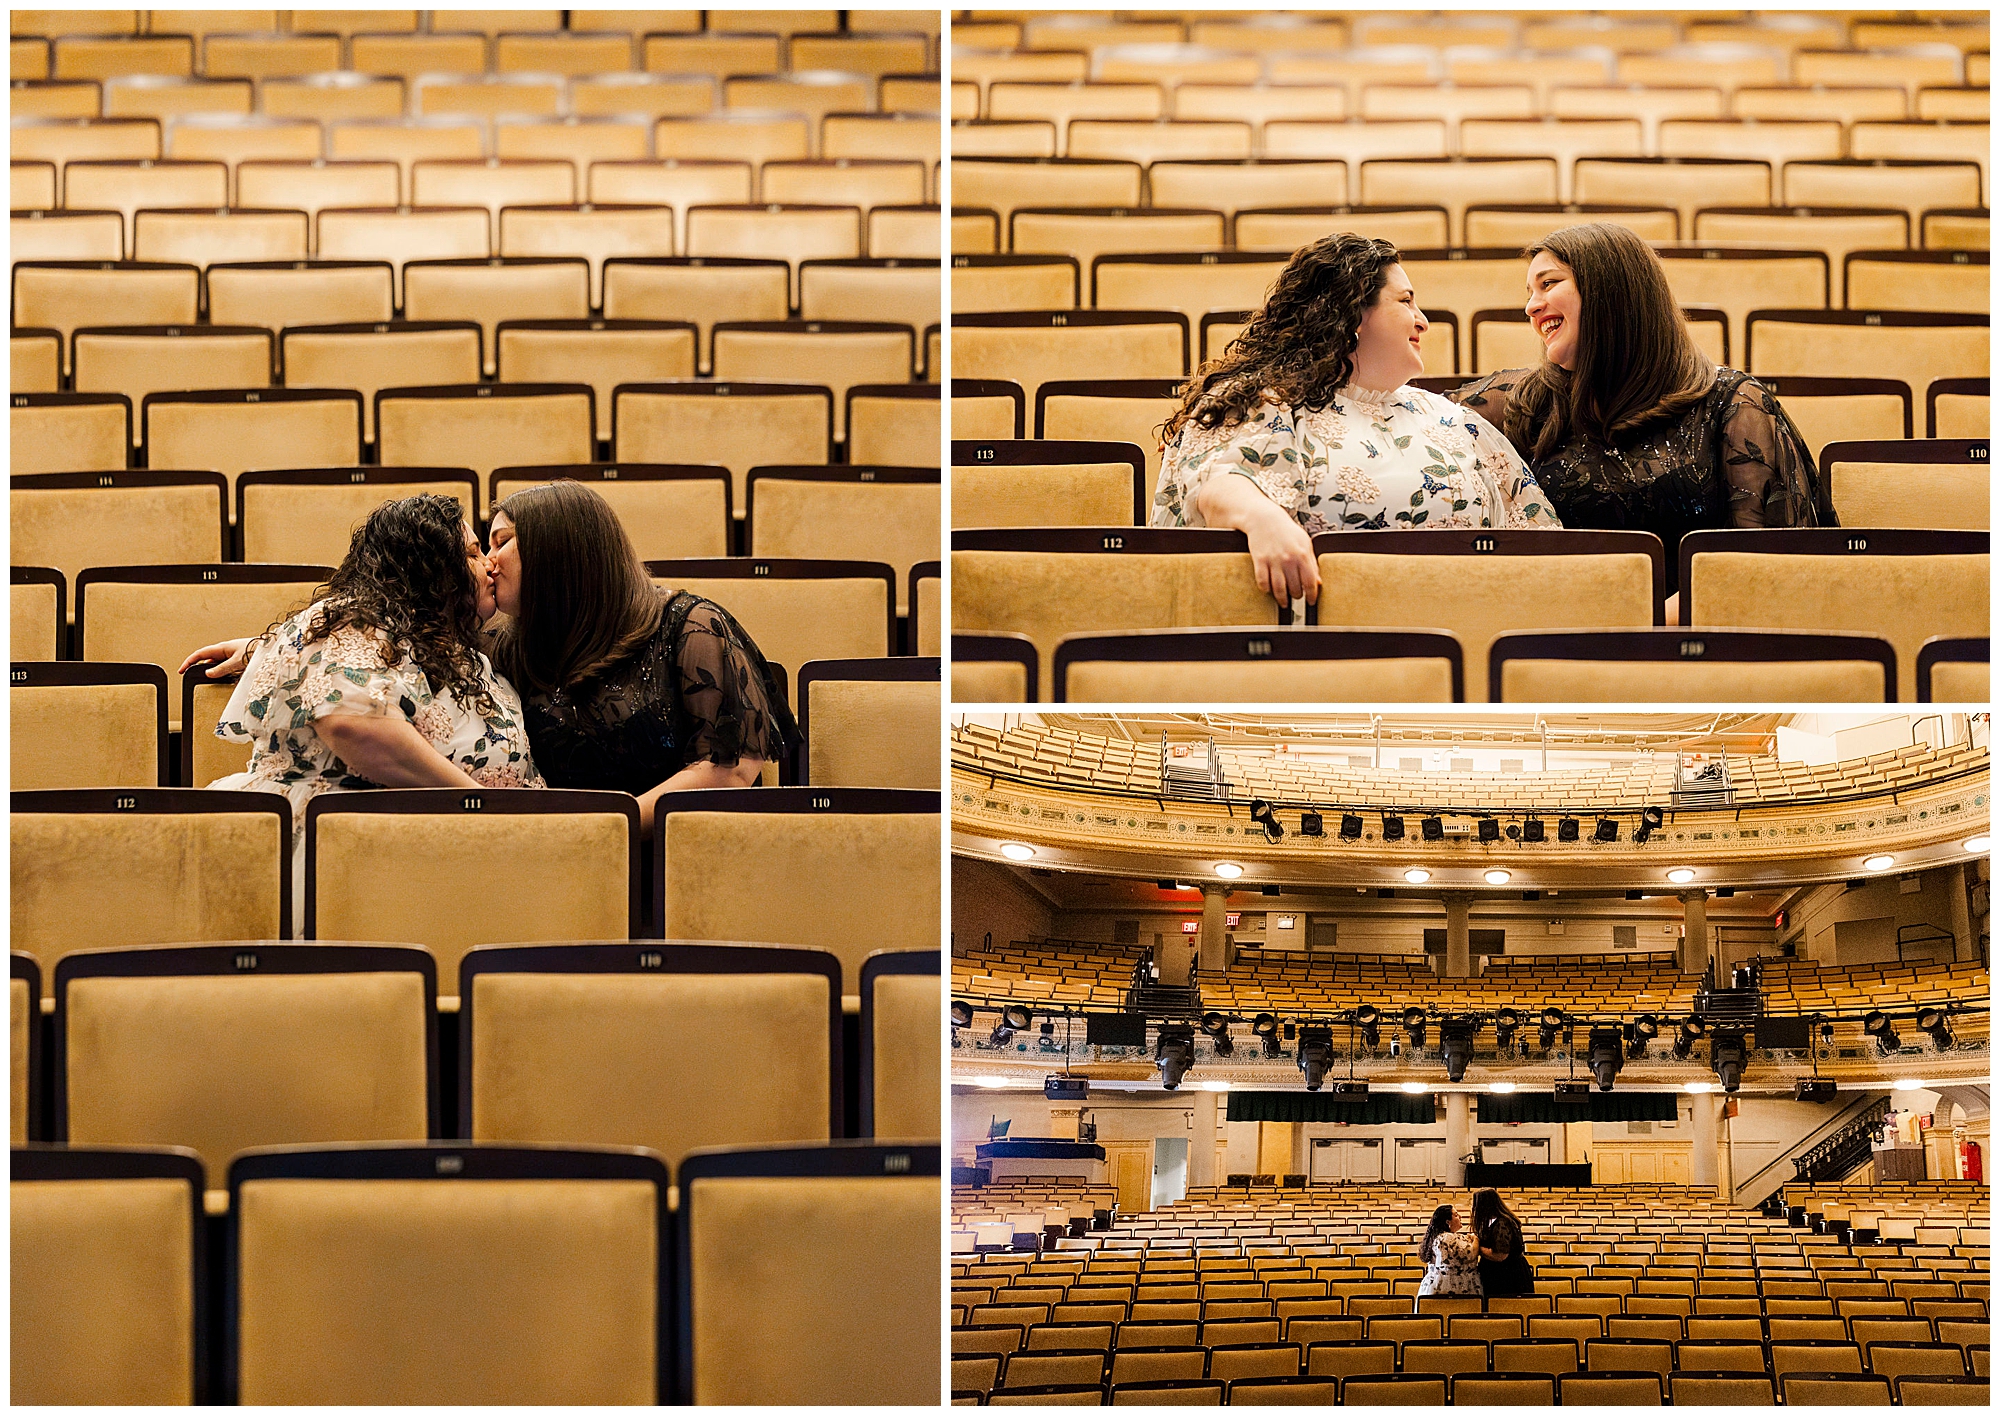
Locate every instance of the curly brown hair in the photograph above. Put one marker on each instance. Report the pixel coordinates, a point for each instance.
(406, 576)
(1635, 359)
(1299, 348)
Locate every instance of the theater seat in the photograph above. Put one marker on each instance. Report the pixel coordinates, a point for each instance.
(859, 720)
(926, 609)
(859, 865)
(994, 668)
(36, 622)
(1247, 666)
(87, 725)
(666, 509)
(734, 425)
(448, 1273)
(222, 1047)
(75, 520)
(887, 514)
(1046, 482)
(1940, 483)
(900, 1060)
(858, 1222)
(1688, 666)
(797, 610)
(560, 1045)
(103, 867)
(1953, 670)
(24, 1071)
(69, 432)
(484, 426)
(419, 865)
(110, 1306)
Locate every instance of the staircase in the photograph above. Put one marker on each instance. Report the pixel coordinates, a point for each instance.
(1192, 778)
(1703, 788)
(1845, 1151)
(1739, 1006)
(1768, 1181)
(1154, 999)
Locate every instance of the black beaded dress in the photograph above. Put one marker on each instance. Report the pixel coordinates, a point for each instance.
(697, 690)
(1731, 460)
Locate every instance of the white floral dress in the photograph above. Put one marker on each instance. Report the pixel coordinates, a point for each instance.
(291, 681)
(1369, 461)
(1454, 1266)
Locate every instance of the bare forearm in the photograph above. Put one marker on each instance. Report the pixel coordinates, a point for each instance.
(389, 751)
(1229, 502)
(698, 776)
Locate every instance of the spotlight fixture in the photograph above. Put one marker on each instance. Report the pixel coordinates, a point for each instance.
(1532, 830)
(1826, 1032)
(1392, 829)
(1932, 1021)
(1607, 829)
(1369, 1020)
(1456, 1035)
(1650, 820)
(1350, 827)
(1505, 1022)
(1726, 1055)
(1265, 1027)
(1880, 1026)
(1642, 1032)
(1433, 828)
(1414, 1025)
(1878, 862)
(1017, 1016)
(1553, 1021)
(1691, 1031)
(1498, 877)
(1311, 823)
(1567, 829)
(1416, 875)
(1014, 850)
(1173, 1054)
(1607, 1055)
(1315, 1055)
(1681, 875)
(1001, 1035)
(1261, 813)
(961, 1014)
(1229, 870)
(1489, 830)
(1216, 1026)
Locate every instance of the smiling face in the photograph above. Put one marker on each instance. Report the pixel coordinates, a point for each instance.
(1386, 354)
(482, 601)
(1554, 308)
(505, 562)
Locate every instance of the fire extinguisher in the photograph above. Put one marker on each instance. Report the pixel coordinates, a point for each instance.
(1968, 1161)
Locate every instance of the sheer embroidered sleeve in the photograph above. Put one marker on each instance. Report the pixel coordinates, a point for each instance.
(1769, 468)
(1488, 396)
(1523, 504)
(1268, 448)
(733, 709)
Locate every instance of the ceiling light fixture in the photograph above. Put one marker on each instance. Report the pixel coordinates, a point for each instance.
(1878, 862)
(1229, 870)
(1416, 875)
(1014, 850)
(1680, 876)
(1498, 877)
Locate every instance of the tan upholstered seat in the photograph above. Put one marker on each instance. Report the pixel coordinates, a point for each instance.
(24, 1071)
(927, 609)
(1520, 225)
(1832, 230)
(666, 510)
(879, 289)
(1456, 183)
(901, 1060)
(1941, 483)
(128, 187)
(1130, 410)
(703, 290)
(1047, 584)
(1953, 670)
(993, 283)
(492, 290)
(73, 520)
(188, 1047)
(461, 1274)
(862, 1221)
(1089, 232)
(906, 232)
(1843, 410)
(1918, 280)
(138, 360)
(203, 237)
(796, 610)
(106, 1307)
(1250, 666)
(278, 296)
(35, 361)
(418, 866)
(66, 236)
(1470, 580)
(1959, 408)
(69, 432)
(1032, 348)
(87, 725)
(861, 873)
(859, 718)
(738, 426)
(1915, 348)
(234, 432)
(204, 756)
(37, 612)
(1002, 184)
(1036, 482)
(484, 426)
(887, 514)
(1737, 280)
(1814, 580)
(66, 297)
(1191, 283)
(399, 235)
(893, 425)
(566, 1045)
(371, 357)
(1405, 225)
(986, 409)
(157, 614)
(1683, 666)
(833, 354)
(311, 515)
(775, 232)
(600, 353)
(311, 187)
(181, 866)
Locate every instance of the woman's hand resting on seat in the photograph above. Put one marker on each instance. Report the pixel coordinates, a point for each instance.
(226, 659)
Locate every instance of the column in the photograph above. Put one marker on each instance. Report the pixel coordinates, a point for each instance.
(1704, 1171)
(1959, 885)
(1175, 954)
(1201, 1141)
(1214, 952)
(1457, 1134)
(1457, 934)
(1694, 919)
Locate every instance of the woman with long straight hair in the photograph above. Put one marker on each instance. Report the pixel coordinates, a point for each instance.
(1503, 1267)
(1627, 424)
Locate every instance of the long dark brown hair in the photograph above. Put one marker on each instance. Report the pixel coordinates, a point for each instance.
(1300, 346)
(586, 601)
(406, 576)
(1487, 1206)
(1440, 1224)
(1635, 360)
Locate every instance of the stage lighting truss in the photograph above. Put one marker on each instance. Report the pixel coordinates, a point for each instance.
(1882, 1027)
(1936, 1022)
(1607, 1054)
(1315, 1055)
(1216, 1026)
(1726, 1055)
(1456, 1036)
(1173, 1054)
(1265, 1028)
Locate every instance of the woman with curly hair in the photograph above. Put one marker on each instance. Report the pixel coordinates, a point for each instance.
(379, 682)
(1627, 423)
(627, 687)
(1311, 409)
